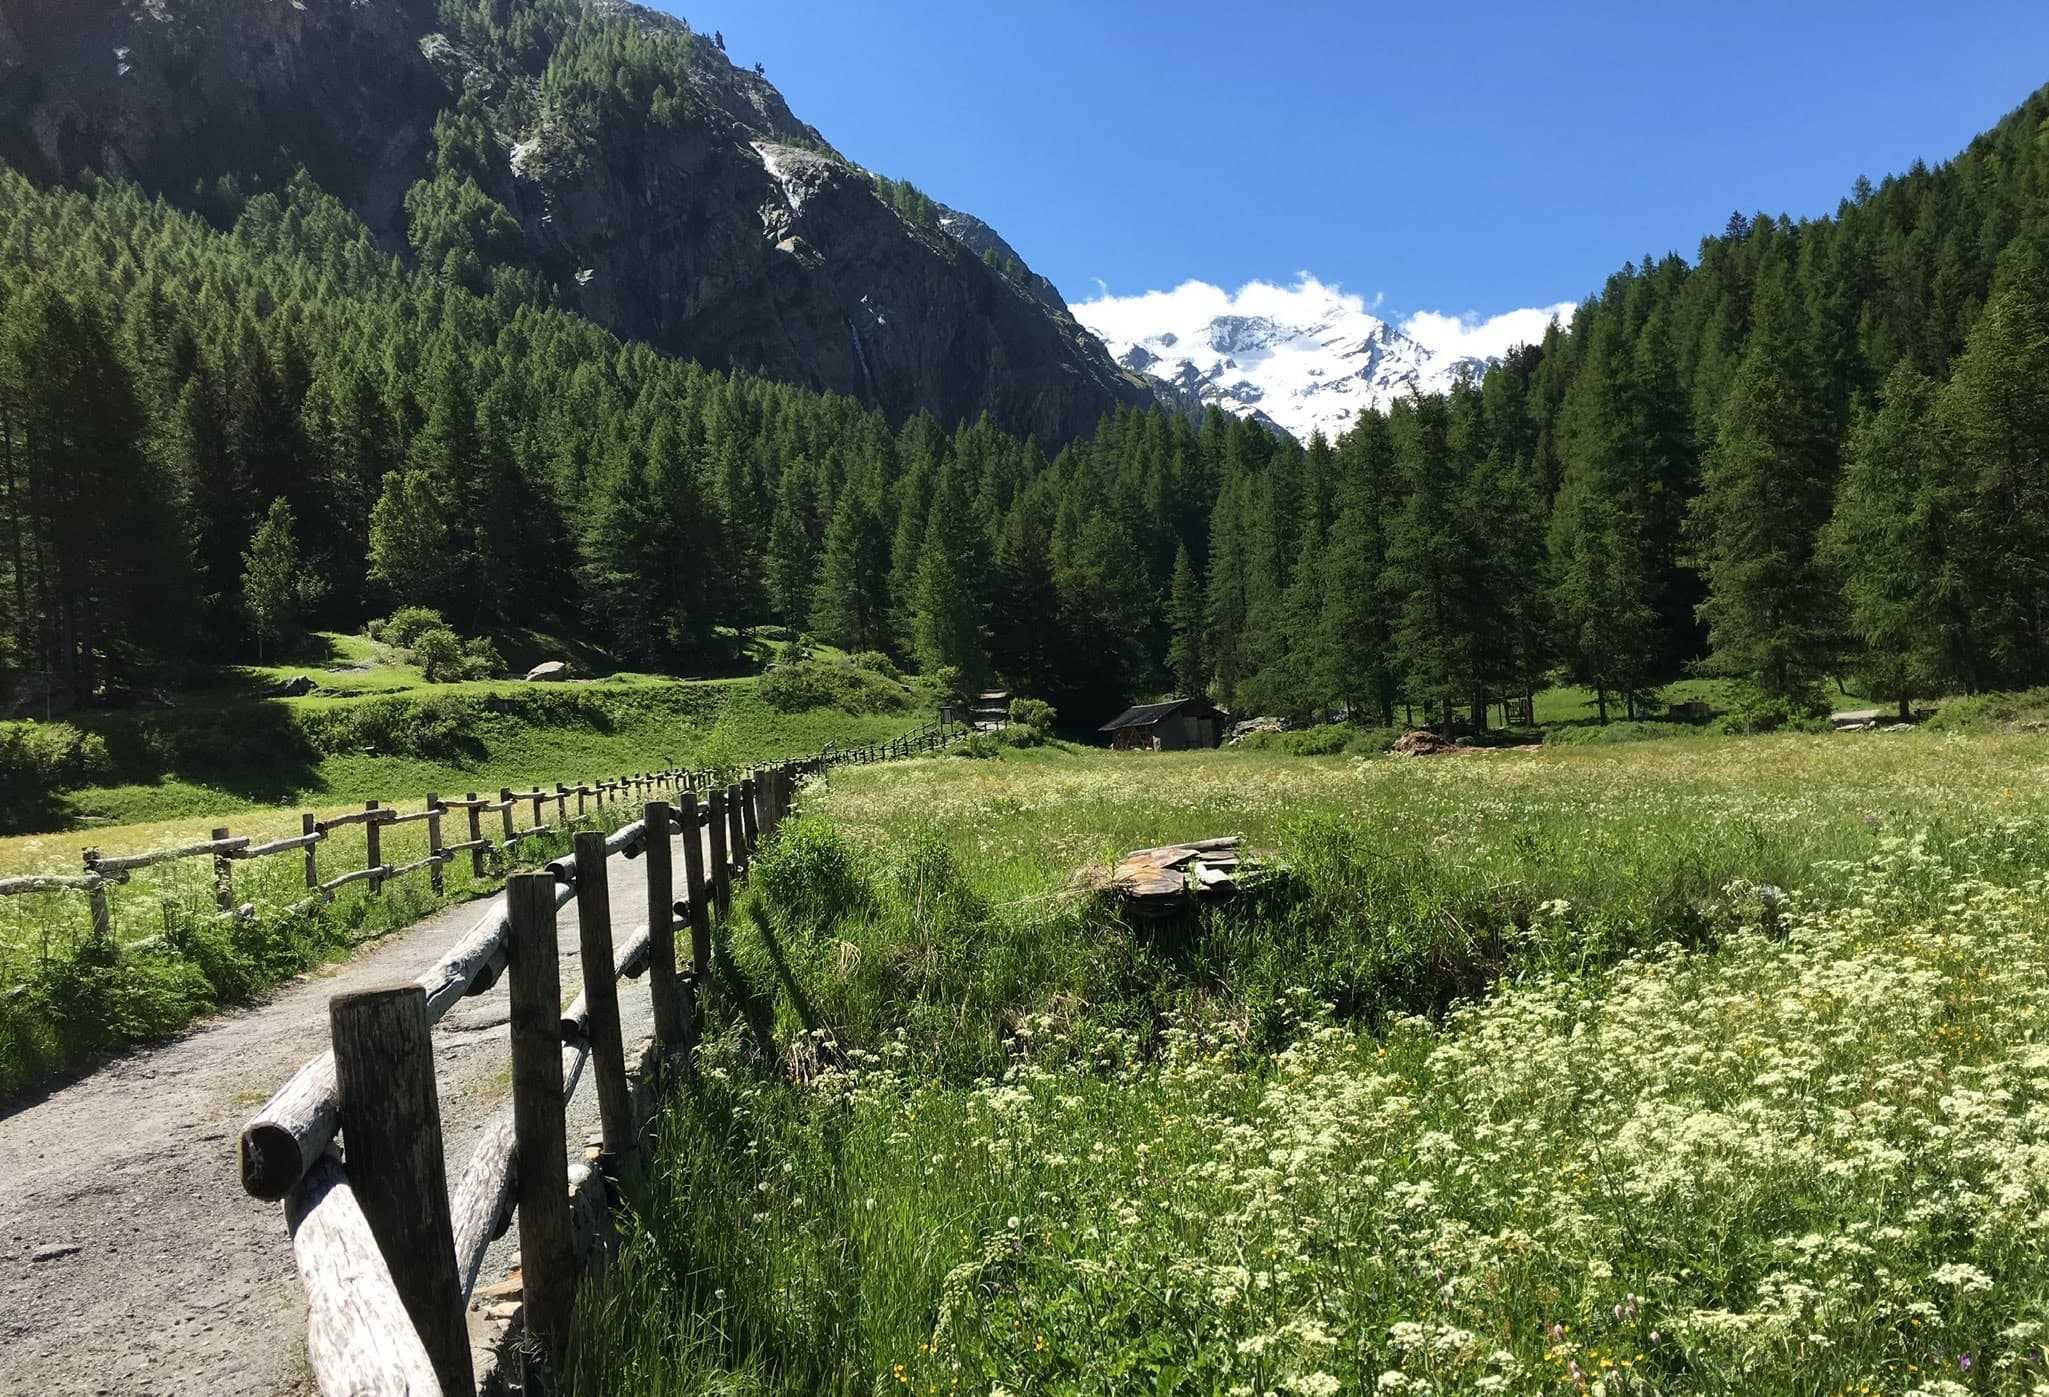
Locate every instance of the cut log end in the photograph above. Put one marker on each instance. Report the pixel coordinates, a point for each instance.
(271, 1161)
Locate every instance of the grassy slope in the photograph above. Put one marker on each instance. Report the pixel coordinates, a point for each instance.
(1704, 1129)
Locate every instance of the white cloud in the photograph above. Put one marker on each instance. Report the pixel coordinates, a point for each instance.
(1471, 336)
(1194, 304)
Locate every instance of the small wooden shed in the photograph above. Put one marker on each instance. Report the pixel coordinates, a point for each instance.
(1174, 726)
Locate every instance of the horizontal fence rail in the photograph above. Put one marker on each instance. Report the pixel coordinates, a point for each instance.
(388, 1253)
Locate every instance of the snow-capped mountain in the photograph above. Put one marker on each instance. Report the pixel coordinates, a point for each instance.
(1304, 358)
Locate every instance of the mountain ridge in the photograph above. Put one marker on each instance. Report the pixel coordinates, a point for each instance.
(624, 151)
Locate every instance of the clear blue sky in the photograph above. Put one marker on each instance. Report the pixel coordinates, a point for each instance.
(1464, 157)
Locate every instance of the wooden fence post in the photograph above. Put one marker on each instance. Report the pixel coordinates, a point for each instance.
(601, 996)
(750, 814)
(505, 814)
(736, 829)
(721, 863)
(561, 803)
(671, 1030)
(476, 837)
(539, 818)
(693, 889)
(308, 827)
(102, 914)
(223, 877)
(434, 877)
(547, 1250)
(582, 790)
(391, 1135)
(373, 841)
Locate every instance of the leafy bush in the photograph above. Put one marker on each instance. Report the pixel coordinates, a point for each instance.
(481, 660)
(1036, 714)
(438, 653)
(1756, 712)
(405, 626)
(1020, 735)
(979, 748)
(876, 662)
(2027, 709)
(46, 756)
(802, 685)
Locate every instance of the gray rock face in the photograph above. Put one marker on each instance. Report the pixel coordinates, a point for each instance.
(548, 672)
(734, 235)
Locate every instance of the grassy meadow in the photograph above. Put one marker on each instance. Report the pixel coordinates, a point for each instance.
(1704, 1066)
(255, 767)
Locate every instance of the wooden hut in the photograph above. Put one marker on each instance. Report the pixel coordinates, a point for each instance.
(1173, 726)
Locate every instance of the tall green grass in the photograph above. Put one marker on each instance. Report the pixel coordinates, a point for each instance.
(1629, 1066)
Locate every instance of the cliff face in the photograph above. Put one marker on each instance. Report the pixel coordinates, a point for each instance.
(727, 231)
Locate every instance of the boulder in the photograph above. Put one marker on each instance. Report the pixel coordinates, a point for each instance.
(1421, 742)
(548, 672)
(298, 686)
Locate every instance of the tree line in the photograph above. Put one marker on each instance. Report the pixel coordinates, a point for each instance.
(1815, 451)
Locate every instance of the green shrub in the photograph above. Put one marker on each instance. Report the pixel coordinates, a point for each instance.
(979, 748)
(1992, 712)
(406, 625)
(1757, 712)
(876, 662)
(438, 653)
(802, 685)
(481, 660)
(1036, 714)
(1020, 735)
(47, 756)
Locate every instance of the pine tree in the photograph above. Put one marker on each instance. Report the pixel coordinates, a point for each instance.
(1997, 407)
(947, 621)
(1185, 621)
(277, 588)
(850, 604)
(1765, 493)
(1890, 542)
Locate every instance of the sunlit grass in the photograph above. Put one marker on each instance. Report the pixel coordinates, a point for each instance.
(1738, 1090)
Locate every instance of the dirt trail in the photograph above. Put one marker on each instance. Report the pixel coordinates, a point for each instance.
(131, 1261)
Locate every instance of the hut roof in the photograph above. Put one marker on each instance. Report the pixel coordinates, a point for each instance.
(1146, 714)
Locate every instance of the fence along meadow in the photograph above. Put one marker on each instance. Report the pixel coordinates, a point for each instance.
(492, 830)
(387, 1253)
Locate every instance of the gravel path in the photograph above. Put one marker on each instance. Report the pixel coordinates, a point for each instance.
(131, 1261)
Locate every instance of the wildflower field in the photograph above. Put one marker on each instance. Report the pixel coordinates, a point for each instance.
(1671, 1067)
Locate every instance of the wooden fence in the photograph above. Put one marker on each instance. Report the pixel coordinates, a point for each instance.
(483, 841)
(387, 1252)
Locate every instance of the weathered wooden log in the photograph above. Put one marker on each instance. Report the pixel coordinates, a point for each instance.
(391, 1126)
(371, 814)
(547, 1256)
(357, 876)
(96, 864)
(374, 855)
(629, 964)
(736, 830)
(721, 865)
(436, 855)
(360, 1341)
(278, 846)
(50, 883)
(601, 985)
(283, 1139)
(223, 875)
(750, 814)
(431, 861)
(694, 893)
(481, 1207)
(671, 1014)
(478, 845)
